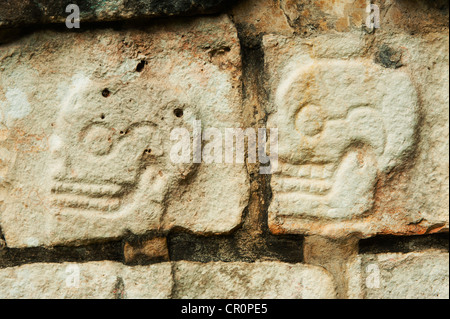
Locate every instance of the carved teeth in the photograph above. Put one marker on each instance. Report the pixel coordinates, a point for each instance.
(84, 202)
(310, 171)
(316, 171)
(292, 184)
(87, 196)
(328, 171)
(87, 189)
(304, 171)
(308, 179)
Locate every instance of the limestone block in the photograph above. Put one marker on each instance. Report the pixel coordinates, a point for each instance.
(260, 280)
(94, 280)
(260, 16)
(349, 135)
(87, 132)
(418, 275)
(26, 12)
(312, 17)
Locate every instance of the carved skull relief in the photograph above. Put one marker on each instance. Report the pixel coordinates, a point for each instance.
(341, 124)
(108, 148)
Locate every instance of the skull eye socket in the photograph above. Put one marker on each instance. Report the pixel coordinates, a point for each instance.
(310, 120)
(98, 140)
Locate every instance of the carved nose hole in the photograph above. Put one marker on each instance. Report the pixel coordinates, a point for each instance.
(310, 120)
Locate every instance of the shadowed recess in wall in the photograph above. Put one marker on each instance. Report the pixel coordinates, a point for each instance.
(181, 246)
(184, 246)
(28, 12)
(15, 257)
(393, 244)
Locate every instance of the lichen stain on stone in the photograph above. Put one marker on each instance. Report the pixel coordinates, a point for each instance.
(388, 57)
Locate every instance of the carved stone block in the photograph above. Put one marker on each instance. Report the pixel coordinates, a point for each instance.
(86, 137)
(348, 132)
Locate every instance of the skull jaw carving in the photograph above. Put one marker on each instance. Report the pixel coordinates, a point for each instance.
(102, 165)
(337, 165)
(324, 190)
(333, 145)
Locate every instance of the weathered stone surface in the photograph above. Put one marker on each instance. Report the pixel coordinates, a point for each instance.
(193, 280)
(86, 117)
(86, 134)
(255, 17)
(95, 280)
(26, 12)
(348, 136)
(260, 280)
(312, 17)
(332, 255)
(423, 275)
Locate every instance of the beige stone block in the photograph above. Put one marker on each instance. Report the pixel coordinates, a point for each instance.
(418, 275)
(260, 280)
(93, 280)
(87, 132)
(354, 150)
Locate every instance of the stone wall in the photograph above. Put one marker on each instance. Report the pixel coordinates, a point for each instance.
(251, 149)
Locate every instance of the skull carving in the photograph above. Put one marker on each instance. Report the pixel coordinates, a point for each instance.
(105, 149)
(341, 124)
